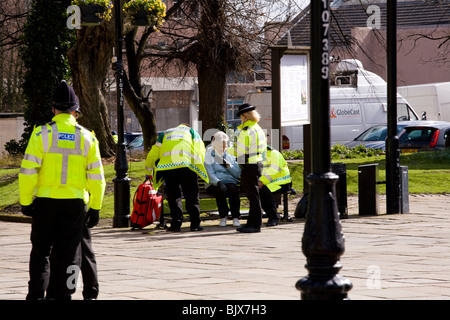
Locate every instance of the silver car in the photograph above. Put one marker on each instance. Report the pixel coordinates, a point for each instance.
(375, 136)
(413, 136)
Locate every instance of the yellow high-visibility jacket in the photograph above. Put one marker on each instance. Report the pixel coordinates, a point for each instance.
(275, 171)
(251, 143)
(177, 148)
(62, 161)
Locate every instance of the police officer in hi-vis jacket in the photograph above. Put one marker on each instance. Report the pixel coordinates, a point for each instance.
(61, 162)
(275, 179)
(250, 149)
(178, 157)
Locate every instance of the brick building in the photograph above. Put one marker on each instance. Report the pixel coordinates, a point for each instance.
(358, 30)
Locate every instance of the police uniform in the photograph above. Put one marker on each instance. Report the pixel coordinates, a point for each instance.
(249, 149)
(61, 161)
(177, 157)
(115, 136)
(275, 179)
(88, 261)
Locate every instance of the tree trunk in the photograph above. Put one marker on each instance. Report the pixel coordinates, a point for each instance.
(142, 111)
(89, 61)
(212, 64)
(133, 92)
(211, 91)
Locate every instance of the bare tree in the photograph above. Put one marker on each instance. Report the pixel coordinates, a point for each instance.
(208, 38)
(89, 61)
(211, 38)
(12, 19)
(441, 36)
(138, 100)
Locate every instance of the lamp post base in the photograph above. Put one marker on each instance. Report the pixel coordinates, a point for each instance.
(121, 202)
(334, 288)
(323, 242)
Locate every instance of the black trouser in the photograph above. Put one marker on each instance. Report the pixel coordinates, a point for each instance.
(88, 266)
(232, 193)
(187, 180)
(268, 202)
(56, 233)
(250, 174)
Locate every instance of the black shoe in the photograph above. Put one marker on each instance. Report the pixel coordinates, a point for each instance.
(173, 229)
(248, 229)
(272, 223)
(198, 228)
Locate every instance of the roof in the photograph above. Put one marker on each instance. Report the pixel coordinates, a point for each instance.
(350, 15)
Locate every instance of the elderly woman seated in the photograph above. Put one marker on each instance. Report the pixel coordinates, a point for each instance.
(224, 173)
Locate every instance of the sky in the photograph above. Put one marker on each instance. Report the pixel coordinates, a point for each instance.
(302, 3)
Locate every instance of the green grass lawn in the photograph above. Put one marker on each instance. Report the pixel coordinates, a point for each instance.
(429, 173)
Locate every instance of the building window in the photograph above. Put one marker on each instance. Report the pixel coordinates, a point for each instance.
(232, 109)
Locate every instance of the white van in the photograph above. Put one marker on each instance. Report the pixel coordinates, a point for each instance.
(358, 100)
(432, 98)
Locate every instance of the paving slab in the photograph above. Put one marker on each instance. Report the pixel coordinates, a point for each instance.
(387, 257)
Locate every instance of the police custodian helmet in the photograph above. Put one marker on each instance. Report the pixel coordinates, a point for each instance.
(64, 98)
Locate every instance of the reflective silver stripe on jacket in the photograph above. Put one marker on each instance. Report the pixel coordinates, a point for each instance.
(172, 130)
(182, 152)
(65, 152)
(28, 171)
(242, 146)
(32, 158)
(94, 176)
(277, 168)
(175, 136)
(94, 165)
(44, 133)
(267, 177)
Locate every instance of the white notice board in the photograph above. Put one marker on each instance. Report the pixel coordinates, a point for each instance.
(294, 90)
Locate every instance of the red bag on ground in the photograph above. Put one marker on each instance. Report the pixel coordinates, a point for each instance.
(147, 205)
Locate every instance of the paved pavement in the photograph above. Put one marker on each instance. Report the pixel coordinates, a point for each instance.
(393, 257)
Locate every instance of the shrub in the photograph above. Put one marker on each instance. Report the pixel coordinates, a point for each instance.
(15, 148)
(292, 154)
(338, 152)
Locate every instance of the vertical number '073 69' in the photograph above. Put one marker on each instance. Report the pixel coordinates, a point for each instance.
(325, 47)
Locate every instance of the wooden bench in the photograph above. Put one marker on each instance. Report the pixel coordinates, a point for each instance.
(203, 194)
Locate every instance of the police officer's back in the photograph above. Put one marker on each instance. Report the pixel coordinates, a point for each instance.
(178, 158)
(61, 161)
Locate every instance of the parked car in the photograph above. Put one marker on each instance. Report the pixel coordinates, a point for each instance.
(414, 136)
(425, 136)
(131, 136)
(137, 144)
(375, 136)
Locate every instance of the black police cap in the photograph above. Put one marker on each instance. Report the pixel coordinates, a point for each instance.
(243, 108)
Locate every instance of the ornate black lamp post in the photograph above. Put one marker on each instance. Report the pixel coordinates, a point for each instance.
(322, 242)
(121, 181)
